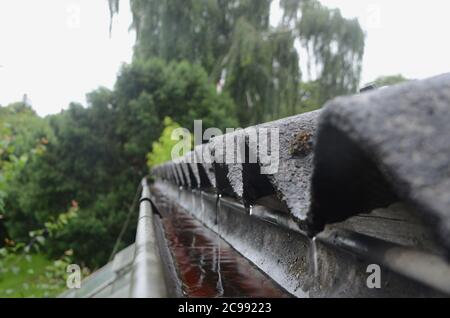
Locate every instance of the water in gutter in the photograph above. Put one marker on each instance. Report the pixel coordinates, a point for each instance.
(209, 267)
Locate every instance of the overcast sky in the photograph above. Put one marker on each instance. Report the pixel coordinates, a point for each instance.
(56, 51)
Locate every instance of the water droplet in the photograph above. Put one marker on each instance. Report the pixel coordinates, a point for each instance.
(314, 262)
(202, 204)
(217, 209)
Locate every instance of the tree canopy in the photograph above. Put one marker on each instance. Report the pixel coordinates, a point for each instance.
(388, 80)
(258, 64)
(96, 155)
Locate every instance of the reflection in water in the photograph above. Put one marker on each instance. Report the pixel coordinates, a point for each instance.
(209, 267)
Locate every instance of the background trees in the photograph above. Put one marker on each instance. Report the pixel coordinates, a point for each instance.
(390, 80)
(23, 137)
(96, 155)
(255, 62)
(162, 148)
(149, 90)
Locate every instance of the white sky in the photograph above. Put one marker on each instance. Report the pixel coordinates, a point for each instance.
(410, 37)
(56, 51)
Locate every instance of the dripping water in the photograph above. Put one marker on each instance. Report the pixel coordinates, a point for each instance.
(216, 221)
(202, 207)
(314, 262)
(179, 192)
(250, 209)
(219, 285)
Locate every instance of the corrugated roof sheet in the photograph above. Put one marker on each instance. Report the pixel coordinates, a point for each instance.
(359, 153)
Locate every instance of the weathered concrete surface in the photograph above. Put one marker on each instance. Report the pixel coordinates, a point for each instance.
(360, 153)
(238, 175)
(217, 148)
(186, 169)
(180, 174)
(174, 173)
(287, 255)
(380, 145)
(228, 154)
(291, 182)
(190, 161)
(232, 165)
(203, 157)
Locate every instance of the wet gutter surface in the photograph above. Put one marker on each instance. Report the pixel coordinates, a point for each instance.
(210, 267)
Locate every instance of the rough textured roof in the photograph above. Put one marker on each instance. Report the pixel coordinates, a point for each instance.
(383, 144)
(359, 153)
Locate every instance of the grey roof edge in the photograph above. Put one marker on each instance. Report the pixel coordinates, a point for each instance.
(245, 180)
(395, 138)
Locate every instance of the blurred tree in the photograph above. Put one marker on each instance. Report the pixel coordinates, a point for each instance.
(147, 91)
(334, 46)
(23, 136)
(162, 149)
(256, 63)
(309, 99)
(96, 155)
(390, 80)
(83, 162)
(26, 128)
(5, 172)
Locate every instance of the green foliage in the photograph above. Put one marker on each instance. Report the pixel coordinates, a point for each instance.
(38, 238)
(162, 149)
(335, 48)
(153, 89)
(390, 80)
(6, 169)
(96, 155)
(23, 136)
(27, 276)
(52, 228)
(231, 41)
(26, 130)
(257, 64)
(84, 163)
(310, 96)
(23, 140)
(149, 91)
(24, 272)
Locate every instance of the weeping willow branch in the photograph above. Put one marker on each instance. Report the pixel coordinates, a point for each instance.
(261, 62)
